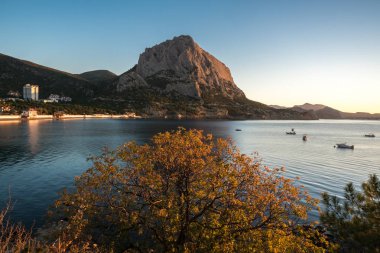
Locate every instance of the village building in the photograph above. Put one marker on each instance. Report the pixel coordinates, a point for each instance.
(14, 94)
(54, 98)
(65, 99)
(30, 113)
(30, 92)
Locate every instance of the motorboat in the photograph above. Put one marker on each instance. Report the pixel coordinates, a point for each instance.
(344, 145)
(237, 129)
(369, 135)
(304, 137)
(291, 132)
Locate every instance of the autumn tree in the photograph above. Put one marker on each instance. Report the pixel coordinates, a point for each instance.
(355, 221)
(183, 192)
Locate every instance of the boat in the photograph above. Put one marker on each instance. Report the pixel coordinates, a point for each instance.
(344, 145)
(291, 132)
(304, 137)
(369, 135)
(237, 129)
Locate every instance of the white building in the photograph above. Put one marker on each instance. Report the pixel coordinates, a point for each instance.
(30, 92)
(30, 113)
(54, 98)
(65, 99)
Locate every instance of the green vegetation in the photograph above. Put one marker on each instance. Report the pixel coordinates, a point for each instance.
(50, 108)
(355, 223)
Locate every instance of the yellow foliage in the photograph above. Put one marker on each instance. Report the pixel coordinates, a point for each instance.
(184, 192)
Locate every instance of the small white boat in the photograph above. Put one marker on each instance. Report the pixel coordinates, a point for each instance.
(291, 132)
(344, 145)
(369, 135)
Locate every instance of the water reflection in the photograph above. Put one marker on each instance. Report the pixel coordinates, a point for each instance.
(33, 135)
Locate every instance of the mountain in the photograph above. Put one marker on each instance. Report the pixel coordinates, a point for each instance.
(321, 111)
(360, 115)
(308, 106)
(174, 79)
(278, 107)
(98, 76)
(181, 65)
(190, 82)
(326, 112)
(15, 73)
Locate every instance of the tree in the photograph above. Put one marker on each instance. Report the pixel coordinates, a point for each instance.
(355, 223)
(184, 192)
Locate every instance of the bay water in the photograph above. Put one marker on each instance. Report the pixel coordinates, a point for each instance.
(38, 158)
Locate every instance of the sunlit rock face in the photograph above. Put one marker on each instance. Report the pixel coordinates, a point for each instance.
(181, 65)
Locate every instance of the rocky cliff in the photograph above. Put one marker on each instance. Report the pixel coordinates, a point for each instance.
(181, 65)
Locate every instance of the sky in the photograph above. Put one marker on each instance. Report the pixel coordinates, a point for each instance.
(279, 52)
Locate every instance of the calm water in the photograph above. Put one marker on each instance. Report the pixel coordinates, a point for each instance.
(39, 158)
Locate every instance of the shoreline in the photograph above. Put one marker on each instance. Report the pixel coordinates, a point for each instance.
(7, 118)
(68, 116)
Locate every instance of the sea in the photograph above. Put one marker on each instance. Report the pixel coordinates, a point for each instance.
(39, 158)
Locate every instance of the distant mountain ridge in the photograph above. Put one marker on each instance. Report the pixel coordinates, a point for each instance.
(326, 112)
(308, 106)
(98, 75)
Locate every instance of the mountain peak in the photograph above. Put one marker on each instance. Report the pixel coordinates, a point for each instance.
(186, 38)
(181, 65)
(98, 75)
(308, 106)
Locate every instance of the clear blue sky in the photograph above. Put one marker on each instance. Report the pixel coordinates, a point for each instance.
(279, 52)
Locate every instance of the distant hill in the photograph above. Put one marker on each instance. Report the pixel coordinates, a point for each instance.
(326, 112)
(15, 73)
(98, 76)
(278, 107)
(360, 115)
(308, 106)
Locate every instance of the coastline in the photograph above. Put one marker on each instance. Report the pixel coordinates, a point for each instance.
(8, 118)
(68, 116)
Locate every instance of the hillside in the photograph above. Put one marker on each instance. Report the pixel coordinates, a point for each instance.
(15, 73)
(308, 106)
(326, 112)
(98, 76)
